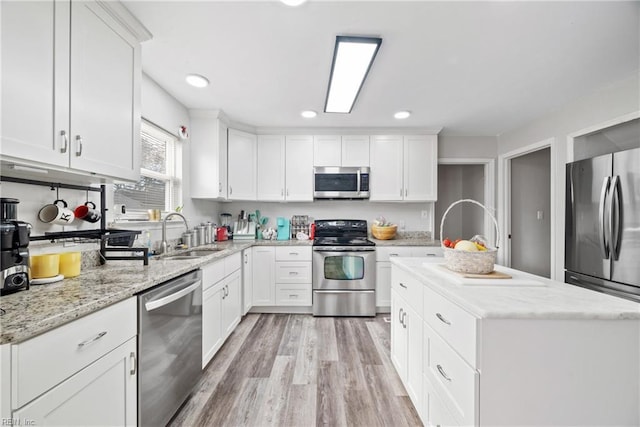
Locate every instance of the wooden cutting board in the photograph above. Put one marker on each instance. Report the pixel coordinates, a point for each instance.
(493, 275)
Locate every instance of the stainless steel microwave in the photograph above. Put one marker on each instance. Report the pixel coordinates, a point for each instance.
(341, 182)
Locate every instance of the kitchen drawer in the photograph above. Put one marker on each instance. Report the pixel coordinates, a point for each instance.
(293, 272)
(427, 251)
(293, 294)
(293, 253)
(408, 288)
(212, 274)
(232, 263)
(384, 253)
(42, 362)
(455, 325)
(452, 378)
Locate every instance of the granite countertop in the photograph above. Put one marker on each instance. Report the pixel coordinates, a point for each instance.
(406, 241)
(525, 296)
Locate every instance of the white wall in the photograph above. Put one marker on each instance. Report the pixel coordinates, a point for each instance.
(467, 147)
(607, 103)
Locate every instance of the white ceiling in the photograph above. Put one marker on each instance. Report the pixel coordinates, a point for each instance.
(472, 68)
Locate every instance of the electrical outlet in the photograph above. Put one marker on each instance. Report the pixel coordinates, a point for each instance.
(424, 214)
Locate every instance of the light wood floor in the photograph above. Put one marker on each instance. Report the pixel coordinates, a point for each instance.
(300, 370)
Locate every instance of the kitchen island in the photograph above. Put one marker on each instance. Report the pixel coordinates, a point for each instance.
(519, 351)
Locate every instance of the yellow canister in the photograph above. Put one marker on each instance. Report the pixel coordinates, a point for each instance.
(70, 264)
(45, 265)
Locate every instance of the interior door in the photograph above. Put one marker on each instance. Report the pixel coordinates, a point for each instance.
(584, 247)
(530, 218)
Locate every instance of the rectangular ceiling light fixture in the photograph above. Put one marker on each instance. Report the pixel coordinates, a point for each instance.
(352, 59)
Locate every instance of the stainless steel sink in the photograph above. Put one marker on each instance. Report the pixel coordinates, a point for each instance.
(194, 253)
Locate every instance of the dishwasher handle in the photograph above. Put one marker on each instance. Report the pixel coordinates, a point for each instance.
(155, 304)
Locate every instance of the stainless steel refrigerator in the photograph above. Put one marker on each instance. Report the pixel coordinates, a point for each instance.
(602, 226)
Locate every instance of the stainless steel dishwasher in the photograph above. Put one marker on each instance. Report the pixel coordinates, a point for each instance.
(169, 347)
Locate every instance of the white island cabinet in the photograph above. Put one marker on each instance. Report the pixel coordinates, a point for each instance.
(71, 82)
(519, 351)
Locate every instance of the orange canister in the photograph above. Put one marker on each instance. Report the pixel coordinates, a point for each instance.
(70, 264)
(45, 265)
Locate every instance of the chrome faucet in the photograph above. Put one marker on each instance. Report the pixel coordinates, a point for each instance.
(163, 248)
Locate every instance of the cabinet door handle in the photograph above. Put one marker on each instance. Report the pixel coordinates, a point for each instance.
(79, 145)
(401, 192)
(402, 285)
(282, 191)
(404, 324)
(65, 141)
(227, 288)
(219, 187)
(406, 192)
(134, 363)
(400, 316)
(91, 340)
(442, 319)
(443, 373)
(230, 190)
(287, 192)
(246, 259)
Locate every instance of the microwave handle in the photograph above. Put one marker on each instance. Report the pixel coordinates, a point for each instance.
(358, 181)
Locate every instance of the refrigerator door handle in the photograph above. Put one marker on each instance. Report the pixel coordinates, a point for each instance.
(615, 214)
(602, 232)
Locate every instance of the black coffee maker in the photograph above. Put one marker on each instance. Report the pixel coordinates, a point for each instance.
(14, 260)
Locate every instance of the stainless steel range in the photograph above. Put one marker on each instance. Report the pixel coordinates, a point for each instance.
(344, 269)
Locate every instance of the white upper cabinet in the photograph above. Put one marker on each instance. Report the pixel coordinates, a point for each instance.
(335, 150)
(327, 150)
(285, 168)
(208, 161)
(404, 168)
(421, 168)
(242, 156)
(299, 168)
(271, 167)
(80, 67)
(386, 168)
(355, 150)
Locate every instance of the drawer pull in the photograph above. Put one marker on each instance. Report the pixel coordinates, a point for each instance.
(293, 296)
(442, 319)
(293, 273)
(443, 373)
(393, 254)
(134, 363)
(293, 253)
(89, 341)
(402, 285)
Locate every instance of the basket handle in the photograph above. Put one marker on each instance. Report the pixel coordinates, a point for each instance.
(476, 203)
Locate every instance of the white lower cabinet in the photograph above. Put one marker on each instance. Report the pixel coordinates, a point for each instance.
(282, 276)
(383, 268)
(247, 280)
(103, 393)
(221, 303)
(90, 374)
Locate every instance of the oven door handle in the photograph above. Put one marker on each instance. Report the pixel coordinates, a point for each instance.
(345, 249)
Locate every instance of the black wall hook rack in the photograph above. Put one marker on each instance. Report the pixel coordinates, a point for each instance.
(104, 235)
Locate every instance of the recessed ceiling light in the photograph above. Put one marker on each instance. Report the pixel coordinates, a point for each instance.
(402, 114)
(309, 114)
(197, 80)
(352, 60)
(293, 2)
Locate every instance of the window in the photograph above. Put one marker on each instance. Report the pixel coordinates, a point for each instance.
(160, 184)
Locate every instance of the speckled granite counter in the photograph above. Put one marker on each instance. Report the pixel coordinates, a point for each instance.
(518, 298)
(44, 307)
(406, 241)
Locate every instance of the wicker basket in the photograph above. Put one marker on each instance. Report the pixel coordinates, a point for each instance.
(481, 262)
(384, 233)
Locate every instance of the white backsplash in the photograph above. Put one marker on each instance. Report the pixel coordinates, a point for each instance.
(407, 214)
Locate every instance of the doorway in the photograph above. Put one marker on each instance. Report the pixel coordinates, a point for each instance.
(530, 213)
(465, 179)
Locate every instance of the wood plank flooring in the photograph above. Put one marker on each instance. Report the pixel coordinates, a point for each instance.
(300, 370)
